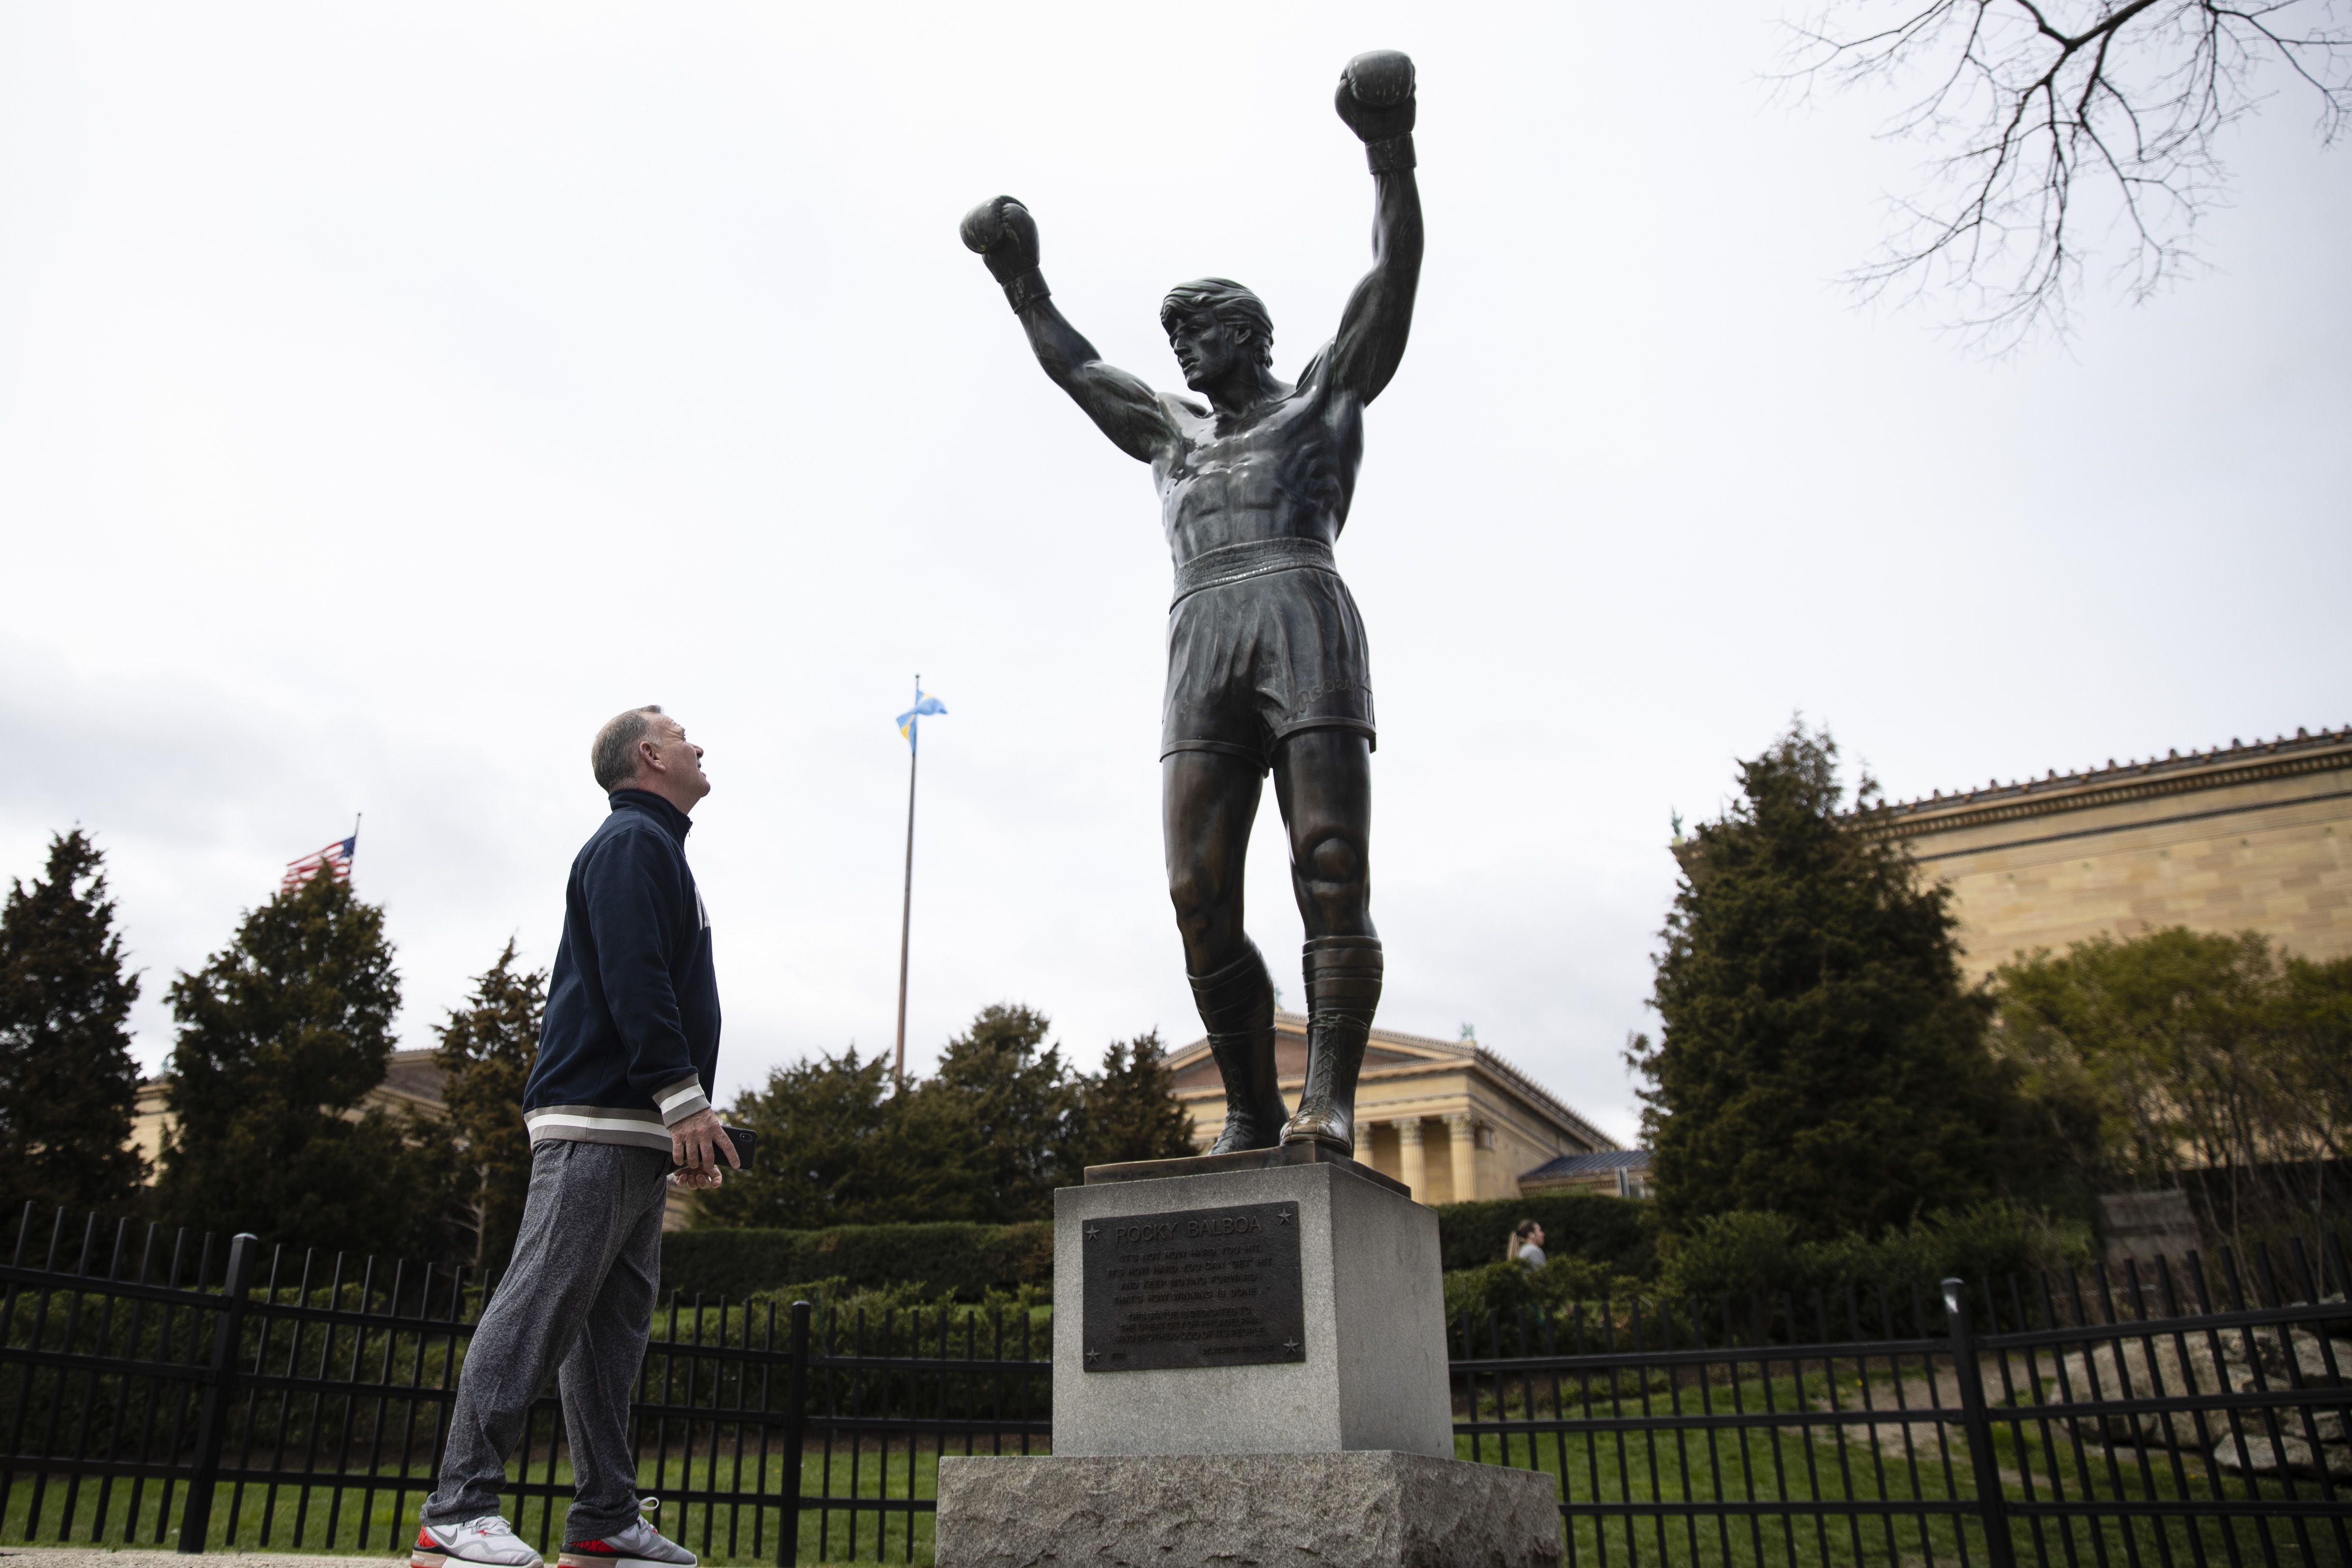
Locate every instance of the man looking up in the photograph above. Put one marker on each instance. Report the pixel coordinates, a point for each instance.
(1266, 663)
(618, 1098)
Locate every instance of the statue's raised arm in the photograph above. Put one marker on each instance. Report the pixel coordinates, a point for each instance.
(1127, 409)
(1376, 99)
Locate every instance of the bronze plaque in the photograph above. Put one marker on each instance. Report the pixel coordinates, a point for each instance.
(1213, 1287)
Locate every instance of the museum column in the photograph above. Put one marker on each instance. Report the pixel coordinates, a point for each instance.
(1410, 1158)
(1463, 1133)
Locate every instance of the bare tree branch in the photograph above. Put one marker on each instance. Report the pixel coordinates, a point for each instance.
(2027, 98)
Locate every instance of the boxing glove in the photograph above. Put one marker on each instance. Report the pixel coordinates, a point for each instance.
(1376, 99)
(1005, 236)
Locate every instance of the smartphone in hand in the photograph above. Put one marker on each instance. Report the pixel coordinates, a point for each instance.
(745, 1141)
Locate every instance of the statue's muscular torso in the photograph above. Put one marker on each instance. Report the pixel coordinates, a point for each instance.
(1286, 469)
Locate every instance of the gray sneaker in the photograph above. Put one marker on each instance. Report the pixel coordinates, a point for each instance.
(638, 1546)
(488, 1541)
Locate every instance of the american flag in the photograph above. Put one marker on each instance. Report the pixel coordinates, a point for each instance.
(335, 860)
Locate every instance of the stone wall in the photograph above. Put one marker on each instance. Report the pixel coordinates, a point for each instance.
(2245, 837)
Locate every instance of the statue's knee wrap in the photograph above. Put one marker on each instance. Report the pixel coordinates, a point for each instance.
(1236, 1006)
(1343, 991)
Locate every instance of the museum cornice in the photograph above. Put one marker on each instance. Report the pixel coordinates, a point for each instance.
(2155, 779)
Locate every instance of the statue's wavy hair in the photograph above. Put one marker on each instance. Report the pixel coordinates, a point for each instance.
(1228, 302)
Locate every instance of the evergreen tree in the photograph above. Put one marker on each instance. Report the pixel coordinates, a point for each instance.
(281, 1036)
(1820, 1056)
(487, 1050)
(988, 1139)
(1129, 1110)
(1011, 1094)
(838, 1146)
(68, 1086)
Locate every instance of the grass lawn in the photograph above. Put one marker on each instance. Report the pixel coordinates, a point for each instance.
(351, 1519)
(1905, 1465)
(1921, 1464)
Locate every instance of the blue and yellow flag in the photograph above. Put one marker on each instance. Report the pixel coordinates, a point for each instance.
(924, 703)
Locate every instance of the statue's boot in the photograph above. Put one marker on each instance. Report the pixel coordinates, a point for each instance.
(1236, 1006)
(1343, 990)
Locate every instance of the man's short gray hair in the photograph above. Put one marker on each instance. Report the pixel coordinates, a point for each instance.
(614, 754)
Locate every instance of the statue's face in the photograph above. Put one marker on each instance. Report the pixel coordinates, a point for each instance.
(1208, 350)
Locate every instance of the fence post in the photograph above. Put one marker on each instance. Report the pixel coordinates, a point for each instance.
(212, 1426)
(788, 1538)
(1992, 1503)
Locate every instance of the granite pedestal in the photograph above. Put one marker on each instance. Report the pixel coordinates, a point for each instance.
(1249, 1367)
(1379, 1510)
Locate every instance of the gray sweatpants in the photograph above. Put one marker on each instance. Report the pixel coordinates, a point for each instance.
(577, 1299)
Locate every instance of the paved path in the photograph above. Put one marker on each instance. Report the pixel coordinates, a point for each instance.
(100, 1557)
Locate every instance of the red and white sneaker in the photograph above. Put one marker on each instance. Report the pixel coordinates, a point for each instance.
(488, 1540)
(638, 1546)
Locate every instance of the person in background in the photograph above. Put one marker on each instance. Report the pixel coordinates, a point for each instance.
(618, 1105)
(1527, 1243)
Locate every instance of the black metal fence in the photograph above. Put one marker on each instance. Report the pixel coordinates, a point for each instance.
(2156, 1418)
(162, 1388)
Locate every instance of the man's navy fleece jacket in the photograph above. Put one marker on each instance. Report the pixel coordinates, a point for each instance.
(630, 1040)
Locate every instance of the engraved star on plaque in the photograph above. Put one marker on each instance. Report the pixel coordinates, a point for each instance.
(1092, 1233)
(1094, 1355)
(1290, 1345)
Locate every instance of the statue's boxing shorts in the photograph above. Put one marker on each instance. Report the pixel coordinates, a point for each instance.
(1264, 641)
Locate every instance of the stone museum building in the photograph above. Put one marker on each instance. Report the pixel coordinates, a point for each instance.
(2240, 837)
(1611, 1172)
(413, 1081)
(1449, 1119)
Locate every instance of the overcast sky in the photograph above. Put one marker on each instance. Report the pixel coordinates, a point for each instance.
(390, 394)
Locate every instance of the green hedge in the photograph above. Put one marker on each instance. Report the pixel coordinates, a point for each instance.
(1619, 1232)
(1737, 1253)
(967, 1261)
(947, 1258)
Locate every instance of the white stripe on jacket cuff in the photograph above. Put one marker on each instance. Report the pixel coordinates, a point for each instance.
(680, 1100)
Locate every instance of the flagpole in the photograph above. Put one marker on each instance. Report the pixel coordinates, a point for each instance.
(907, 903)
